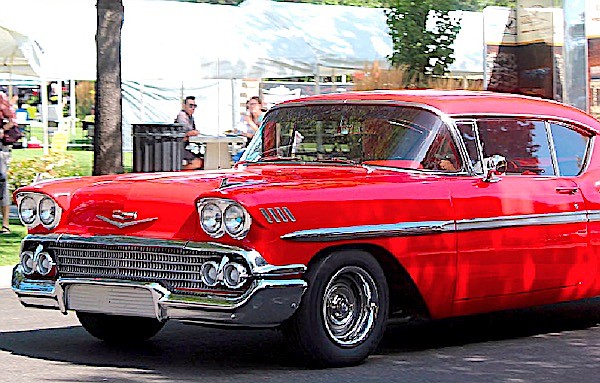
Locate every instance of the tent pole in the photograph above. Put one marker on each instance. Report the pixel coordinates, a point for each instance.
(59, 102)
(235, 102)
(10, 87)
(317, 78)
(44, 91)
(72, 105)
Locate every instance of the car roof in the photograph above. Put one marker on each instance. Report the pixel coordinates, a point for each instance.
(464, 102)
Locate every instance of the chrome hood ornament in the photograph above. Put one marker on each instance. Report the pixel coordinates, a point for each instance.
(123, 219)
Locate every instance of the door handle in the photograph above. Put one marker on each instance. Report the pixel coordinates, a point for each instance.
(567, 189)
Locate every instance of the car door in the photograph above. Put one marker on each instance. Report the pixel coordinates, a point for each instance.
(521, 235)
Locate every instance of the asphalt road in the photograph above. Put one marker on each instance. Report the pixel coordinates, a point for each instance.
(543, 345)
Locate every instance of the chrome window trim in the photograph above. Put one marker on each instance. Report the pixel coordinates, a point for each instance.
(444, 117)
(588, 150)
(544, 117)
(438, 227)
(550, 139)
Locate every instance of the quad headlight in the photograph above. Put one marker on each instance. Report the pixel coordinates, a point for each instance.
(47, 211)
(219, 216)
(234, 218)
(228, 273)
(36, 208)
(211, 219)
(38, 261)
(28, 210)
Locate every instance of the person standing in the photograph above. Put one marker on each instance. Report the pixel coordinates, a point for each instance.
(9, 133)
(192, 158)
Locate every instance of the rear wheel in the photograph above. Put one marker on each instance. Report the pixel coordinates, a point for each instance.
(119, 329)
(344, 311)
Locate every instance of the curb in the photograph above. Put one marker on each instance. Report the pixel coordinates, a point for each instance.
(5, 276)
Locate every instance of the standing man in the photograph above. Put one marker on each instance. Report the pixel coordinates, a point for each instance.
(192, 158)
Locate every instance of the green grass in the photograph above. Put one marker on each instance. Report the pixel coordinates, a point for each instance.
(10, 245)
(85, 159)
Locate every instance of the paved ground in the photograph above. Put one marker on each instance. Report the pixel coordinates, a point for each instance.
(5, 276)
(560, 345)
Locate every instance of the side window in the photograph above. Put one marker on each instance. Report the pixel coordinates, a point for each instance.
(523, 143)
(442, 154)
(570, 147)
(469, 136)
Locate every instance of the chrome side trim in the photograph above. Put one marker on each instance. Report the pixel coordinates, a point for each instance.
(437, 227)
(370, 231)
(593, 215)
(521, 220)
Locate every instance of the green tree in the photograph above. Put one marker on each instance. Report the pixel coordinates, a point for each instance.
(108, 141)
(422, 34)
(479, 5)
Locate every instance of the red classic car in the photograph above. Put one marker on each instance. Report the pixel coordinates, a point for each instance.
(345, 210)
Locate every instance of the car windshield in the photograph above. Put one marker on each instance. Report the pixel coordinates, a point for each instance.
(385, 135)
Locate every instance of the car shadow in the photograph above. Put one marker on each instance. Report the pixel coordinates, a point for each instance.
(510, 324)
(180, 350)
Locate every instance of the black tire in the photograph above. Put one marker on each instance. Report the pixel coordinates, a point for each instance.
(343, 313)
(119, 329)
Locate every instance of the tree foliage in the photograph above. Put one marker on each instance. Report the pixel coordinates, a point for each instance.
(465, 5)
(422, 33)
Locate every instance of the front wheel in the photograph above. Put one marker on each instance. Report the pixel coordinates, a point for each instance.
(119, 329)
(344, 311)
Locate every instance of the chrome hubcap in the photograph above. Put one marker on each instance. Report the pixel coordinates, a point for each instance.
(350, 306)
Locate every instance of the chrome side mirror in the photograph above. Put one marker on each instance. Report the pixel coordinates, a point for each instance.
(492, 168)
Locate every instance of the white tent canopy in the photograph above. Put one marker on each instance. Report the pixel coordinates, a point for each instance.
(169, 40)
(19, 54)
(258, 39)
(187, 41)
(171, 49)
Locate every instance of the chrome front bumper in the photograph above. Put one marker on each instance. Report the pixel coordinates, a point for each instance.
(273, 296)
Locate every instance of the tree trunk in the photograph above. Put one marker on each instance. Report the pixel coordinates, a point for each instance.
(108, 151)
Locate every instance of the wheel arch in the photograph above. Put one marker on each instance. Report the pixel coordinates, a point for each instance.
(406, 300)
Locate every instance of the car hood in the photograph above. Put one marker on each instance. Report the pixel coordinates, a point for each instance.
(162, 205)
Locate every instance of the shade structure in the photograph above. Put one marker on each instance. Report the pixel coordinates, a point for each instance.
(19, 54)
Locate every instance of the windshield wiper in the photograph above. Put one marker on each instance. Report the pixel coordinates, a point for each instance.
(337, 161)
(279, 158)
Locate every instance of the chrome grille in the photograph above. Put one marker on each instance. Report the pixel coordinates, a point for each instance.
(177, 268)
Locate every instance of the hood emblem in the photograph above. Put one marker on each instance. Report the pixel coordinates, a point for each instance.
(123, 219)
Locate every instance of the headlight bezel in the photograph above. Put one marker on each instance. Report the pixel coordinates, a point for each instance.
(52, 209)
(214, 230)
(30, 219)
(239, 212)
(225, 205)
(37, 199)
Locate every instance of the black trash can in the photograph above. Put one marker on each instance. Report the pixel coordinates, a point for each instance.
(157, 147)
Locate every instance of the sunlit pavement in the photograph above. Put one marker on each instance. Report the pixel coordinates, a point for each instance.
(5, 276)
